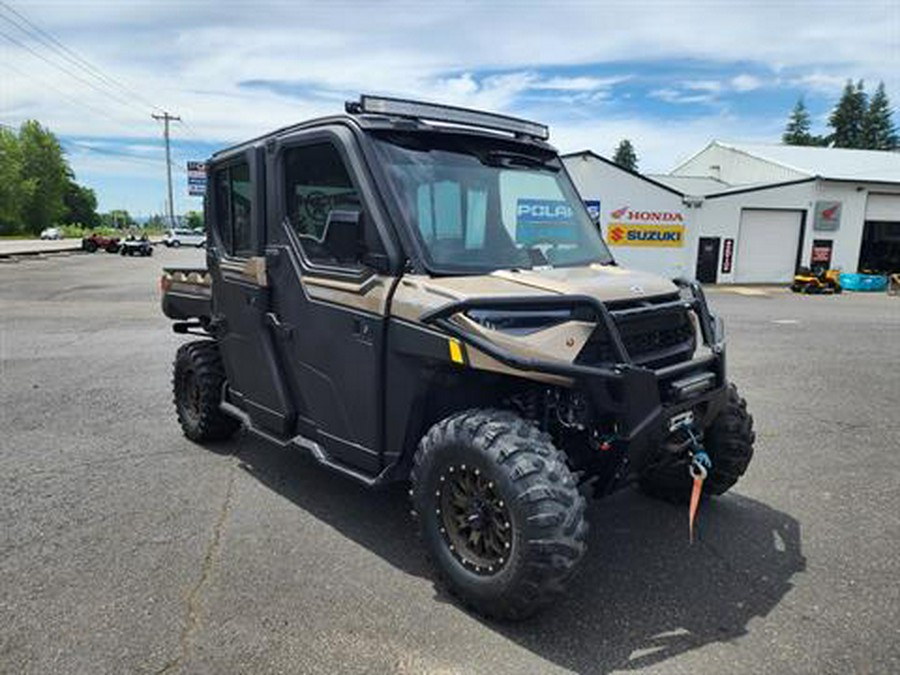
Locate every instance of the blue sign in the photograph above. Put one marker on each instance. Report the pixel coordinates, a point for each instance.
(593, 207)
(539, 220)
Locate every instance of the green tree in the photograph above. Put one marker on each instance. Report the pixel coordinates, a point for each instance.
(158, 222)
(43, 163)
(797, 130)
(625, 155)
(15, 190)
(119, 218)
(194, 220)
(848, 117)
(81, 205)
(879, 132)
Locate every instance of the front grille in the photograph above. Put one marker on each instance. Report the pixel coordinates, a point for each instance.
(652, 340)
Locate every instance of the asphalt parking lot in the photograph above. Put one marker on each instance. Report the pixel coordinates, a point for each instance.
(125, 548)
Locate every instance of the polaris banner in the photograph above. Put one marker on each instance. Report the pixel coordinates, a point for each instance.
(540, 220)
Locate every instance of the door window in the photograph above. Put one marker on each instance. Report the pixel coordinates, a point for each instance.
(234, 204)
(316, 183)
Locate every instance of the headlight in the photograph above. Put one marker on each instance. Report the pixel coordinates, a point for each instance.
(519, 322)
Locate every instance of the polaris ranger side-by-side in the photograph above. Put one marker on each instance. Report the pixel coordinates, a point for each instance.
(417, 292)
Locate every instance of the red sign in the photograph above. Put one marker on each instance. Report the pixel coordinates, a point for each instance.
(821, 253)
(616, 233)
(727, 255)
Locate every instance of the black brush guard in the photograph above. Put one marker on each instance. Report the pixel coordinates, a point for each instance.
(640, 399)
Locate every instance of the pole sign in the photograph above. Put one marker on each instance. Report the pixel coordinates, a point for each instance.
(828, 216)
(727, 256)
(196, 176)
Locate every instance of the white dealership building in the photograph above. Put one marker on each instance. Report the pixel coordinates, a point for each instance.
(737, 213)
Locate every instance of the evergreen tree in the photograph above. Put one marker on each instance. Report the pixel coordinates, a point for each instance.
(847, 118)
(797, 130)
(625, 155)
(879, 132)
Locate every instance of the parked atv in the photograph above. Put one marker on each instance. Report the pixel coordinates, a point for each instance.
(96, 242)
(134, 246)
(408, 301)
(816, 281)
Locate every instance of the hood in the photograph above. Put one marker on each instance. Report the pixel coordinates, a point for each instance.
(419, 293)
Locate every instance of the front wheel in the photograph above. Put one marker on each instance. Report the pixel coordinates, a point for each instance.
(729, 443)
(499, 512)
(197, 382)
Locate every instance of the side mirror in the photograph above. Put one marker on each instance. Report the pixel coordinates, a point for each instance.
(342, 235)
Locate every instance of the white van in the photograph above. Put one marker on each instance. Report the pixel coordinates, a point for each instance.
(184, 237)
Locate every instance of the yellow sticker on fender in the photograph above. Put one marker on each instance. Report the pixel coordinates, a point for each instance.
(625, 234)
(456, 353)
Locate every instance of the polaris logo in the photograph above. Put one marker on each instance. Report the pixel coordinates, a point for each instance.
(543, 210)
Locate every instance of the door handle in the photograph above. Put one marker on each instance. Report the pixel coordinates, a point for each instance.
(362, 331)
(275, 322)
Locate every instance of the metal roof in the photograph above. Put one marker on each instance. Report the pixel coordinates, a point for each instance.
(692, 185)
(877, 166)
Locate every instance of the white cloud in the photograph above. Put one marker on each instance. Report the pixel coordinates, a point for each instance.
(745, 82)
(670, 95)
(190, 57)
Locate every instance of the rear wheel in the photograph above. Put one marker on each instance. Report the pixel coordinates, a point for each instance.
(729, 443)
(499, 512)
(197, 382)
(90, 246)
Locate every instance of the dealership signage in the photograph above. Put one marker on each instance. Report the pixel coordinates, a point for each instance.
(727, 256)
(828, 216)
(637, 227)
(196, 175)
(539, 220)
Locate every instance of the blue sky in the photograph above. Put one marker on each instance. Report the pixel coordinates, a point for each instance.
(670, 76)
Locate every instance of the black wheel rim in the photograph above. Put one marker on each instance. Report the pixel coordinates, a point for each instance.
(191, 395)
(474, 519)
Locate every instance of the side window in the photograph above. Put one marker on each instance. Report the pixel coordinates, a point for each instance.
(234, 203)
(317, 183)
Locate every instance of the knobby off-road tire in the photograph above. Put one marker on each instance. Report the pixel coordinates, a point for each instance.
(197, 384)
(729, 443)
(533, 528)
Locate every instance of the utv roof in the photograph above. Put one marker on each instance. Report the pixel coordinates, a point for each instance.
(376, 113)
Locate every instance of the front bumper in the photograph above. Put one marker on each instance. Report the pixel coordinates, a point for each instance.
(641, 401)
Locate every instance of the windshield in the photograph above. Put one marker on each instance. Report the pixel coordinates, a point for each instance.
(478, 207)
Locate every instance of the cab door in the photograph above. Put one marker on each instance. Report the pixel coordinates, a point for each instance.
(235, 222)
(329, 302)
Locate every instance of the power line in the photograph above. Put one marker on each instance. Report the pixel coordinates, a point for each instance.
(70, 55)
(74, 101)
(57, 65)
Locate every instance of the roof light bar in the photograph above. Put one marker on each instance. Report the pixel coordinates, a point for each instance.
(447, 113)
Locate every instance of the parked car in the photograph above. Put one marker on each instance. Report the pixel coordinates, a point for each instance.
(185, 237)
(51, 233)
(96, 241)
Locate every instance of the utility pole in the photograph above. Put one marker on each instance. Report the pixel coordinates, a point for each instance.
(166, 118)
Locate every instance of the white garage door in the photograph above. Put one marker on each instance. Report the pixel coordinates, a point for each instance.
(767, 246)
(883, 207)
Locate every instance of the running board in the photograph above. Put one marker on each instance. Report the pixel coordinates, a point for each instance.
(300, 442)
